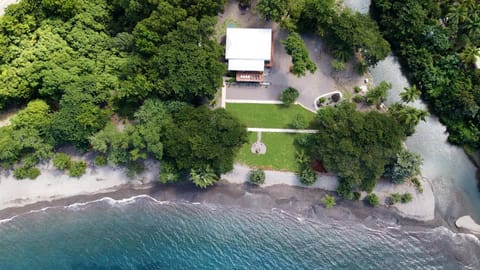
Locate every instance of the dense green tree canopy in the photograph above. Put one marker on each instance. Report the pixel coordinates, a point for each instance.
(356, 145)
(405, 165)
(436, 43)
(78, 62)
(346, 32)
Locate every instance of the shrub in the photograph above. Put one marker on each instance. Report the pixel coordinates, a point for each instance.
(302, 140)
(357, 89)
(356, 195)
(257, 177)
(406, 198)
(289, 95)
(395, 198)
(62, 161)
(344, 189)
(417, 184)
(307, 176)
(77, 168)
(358, 98)
(135, 168)
(336, 97)
(299, 122)
(372, 199)
(322, 100)
(338, 65)
(406, 164)
(169, 173)
(203, 177)
(26, 172)
(100, 160)
(328, 201)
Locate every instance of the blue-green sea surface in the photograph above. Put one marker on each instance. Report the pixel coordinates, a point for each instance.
(141, 233)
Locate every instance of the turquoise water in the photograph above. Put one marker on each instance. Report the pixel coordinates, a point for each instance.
(142, 233)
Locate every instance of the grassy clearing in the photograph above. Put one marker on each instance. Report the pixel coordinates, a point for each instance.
(280, 152)
(269, 115)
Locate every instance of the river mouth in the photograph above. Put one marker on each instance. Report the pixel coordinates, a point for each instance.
(447, 166)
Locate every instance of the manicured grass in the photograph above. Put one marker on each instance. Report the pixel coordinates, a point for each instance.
(268, 115)
(280, 152)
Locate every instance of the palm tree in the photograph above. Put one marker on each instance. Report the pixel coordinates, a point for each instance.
(410, 94)
(408, 117)
(203, 177)
(469, 55)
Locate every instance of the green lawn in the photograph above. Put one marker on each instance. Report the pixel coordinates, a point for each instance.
(280, 152)
(268, 115)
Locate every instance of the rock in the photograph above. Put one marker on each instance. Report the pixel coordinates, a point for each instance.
(467, 223)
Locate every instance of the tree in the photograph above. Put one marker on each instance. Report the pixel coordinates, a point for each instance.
(406, 198)
(24, 145)
(62, 161)
(186, 66)
(307, 176)
(35, 116)
(289, 95)
(352, 32)
(469, 55)
(272, 9)
(100, 160)
(203, 177)
(395, 198)
(77, 168)
(200, 137)
(372, 199)
(406, 165)
(410, 94)
(295, 46)
(328, 201)
(26, 172)
(408, 117)
(77, 120)
(378, 94)
(338, 65)
(355, 145)
(169, 173)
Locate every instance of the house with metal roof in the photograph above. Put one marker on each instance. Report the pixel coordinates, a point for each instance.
(248, 52)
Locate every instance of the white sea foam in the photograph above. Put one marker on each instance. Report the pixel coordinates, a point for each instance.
(82, 205)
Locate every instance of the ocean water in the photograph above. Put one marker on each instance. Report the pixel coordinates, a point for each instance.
(142, 233)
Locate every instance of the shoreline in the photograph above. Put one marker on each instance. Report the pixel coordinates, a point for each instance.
(305, 202)
(281, 191)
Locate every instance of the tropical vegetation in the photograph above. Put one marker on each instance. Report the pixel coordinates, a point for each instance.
(75, 64)
(257, 177)
(436, 42)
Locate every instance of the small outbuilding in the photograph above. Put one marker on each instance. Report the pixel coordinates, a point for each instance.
(248, 52)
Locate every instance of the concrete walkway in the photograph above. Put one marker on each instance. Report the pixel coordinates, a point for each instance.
(253, 101)
(282, 130)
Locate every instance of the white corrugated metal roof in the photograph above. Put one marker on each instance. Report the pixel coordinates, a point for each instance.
(249, 43)
(246, 65)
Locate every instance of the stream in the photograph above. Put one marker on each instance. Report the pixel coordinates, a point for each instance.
(447, 166)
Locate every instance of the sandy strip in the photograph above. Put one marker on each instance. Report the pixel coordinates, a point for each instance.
(53, 184)
(422, 207)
